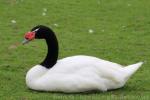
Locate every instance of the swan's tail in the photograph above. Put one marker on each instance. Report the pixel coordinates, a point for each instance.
(131, 69)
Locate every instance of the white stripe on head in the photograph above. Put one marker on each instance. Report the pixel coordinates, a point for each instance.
(36, 30)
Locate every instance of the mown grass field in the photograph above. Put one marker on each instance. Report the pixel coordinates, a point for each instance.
(121, 33)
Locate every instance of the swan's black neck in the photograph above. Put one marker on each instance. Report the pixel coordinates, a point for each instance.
(52, 53)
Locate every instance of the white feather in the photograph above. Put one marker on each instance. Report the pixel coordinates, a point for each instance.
(79, 74)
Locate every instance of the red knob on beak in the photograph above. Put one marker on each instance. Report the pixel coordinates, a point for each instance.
(28, 37)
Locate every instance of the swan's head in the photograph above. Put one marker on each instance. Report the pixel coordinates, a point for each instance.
(38, 32)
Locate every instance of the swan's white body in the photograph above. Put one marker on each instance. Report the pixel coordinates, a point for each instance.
(79, 74)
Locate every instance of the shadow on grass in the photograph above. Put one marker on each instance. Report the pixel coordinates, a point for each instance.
(125, 89)
(83, 93)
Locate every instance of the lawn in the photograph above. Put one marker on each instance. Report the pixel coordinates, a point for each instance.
(115, 30)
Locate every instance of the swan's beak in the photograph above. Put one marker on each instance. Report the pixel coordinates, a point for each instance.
(25, 41)
(29, 36)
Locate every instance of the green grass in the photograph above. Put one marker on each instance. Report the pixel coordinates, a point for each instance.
(121, 34)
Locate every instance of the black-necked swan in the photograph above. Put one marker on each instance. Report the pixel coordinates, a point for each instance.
(76, 73)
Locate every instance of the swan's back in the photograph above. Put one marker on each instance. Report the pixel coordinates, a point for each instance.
(76, 63)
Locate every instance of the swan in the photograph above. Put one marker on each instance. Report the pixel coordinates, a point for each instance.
(73, 74)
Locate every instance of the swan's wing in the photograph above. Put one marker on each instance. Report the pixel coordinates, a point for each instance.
(70, 82)
(75, 63)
